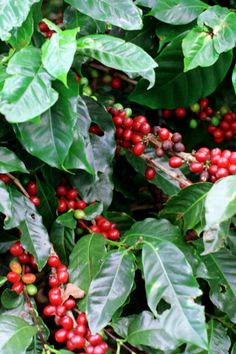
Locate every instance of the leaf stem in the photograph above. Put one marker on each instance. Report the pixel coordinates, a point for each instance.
(119, 341)
(116, 73)
(18, 184)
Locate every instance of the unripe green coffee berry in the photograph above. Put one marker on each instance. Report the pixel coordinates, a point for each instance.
(94, 73)
(195, 108)
(79, 214)
(94, 98)
(224, 110)
(118, 106)
(215, 121)
(193, 123)
(31, 289)
(128, 112)
(107, 79)
(79, 231)
(84, 81)
(87, 91)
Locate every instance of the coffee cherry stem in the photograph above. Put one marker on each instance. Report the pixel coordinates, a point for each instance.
(119, 341)
(105, 69)
(18, 184)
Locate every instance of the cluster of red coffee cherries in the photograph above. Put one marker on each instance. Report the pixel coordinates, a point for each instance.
(32, 190)
(21, 270)
(225, 129)
(74, 332)
(43, 27)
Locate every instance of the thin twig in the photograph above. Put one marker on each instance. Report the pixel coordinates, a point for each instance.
(170, 173)
(18, 184)
(116, 73)
(120, 341)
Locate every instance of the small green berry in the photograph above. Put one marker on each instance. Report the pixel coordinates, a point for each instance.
(215, 121)
(118, 106)
(107, 79)
(195, 108)
(224, 110)
(84, 81)
(31, 289)
(193, 123)
(79, 214)
(128, 112)
(94, 73)
(87, 91)
(94, 98)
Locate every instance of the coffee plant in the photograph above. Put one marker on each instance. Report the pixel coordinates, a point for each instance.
(117, 177)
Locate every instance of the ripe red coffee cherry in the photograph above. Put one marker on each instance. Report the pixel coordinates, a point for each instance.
(204, 103)
(95, 229)
(202, 156)
(180, 112)
(78, 341)
(138, 149)
(95, 339)
(16, 249)
(81, 330)
(4, 178)
(49, 310)
(55, 299)
(116, 83)
(127, 134)
(82, 319)
(176, 138)
(128, 122)
(54, 261)
(71, 194)
(61, 268)
(175, 162)
(196, 167)
(43, 27)
(61, 190)
(164, 134)
(150, 173)
(28, 278)
(66, 322)
(13, 277)
(24, 258)
(70, 345)
(63, 277)
(61, 335)
(166, 113)
(17, 287)
(70, 304)
(136, 138)
(89, 349)
(232, 169)
(105, 225)
(99, 350)
(113, 234)
(222, 172)
(71, 204)
(62, 205)
(80, 204)
(32, 188)
(53, 282)
(117, 120)
(145, 128)
(61, 310)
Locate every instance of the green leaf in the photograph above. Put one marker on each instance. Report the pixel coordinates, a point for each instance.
(198, 49)
(118, 54)
(167, 33)
(179, 289)
(27, 92)
(223, 24)
(5, 201)
(219, 342)
(109, 289)
(152, 230)
(12, 15)
(145, 330)
(234, 78)
(19, 205)
(15, 335)
(222, 281)
(67, 219)
(52, 139)
(121, 13)
(86, 259)
(10, 299)
(3, 280)
(122, 220)
(6, 240)
(233, 351)
(93, 210)
(63, 241)
(175, 88)
(58, 53)
(187, 207)
(214, 237)
(177, 12)
(220, 203)
(21, 37)
(167, 184)
(9, 162)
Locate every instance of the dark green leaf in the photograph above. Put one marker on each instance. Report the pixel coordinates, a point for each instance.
(86, 259)
(21, 37)
(234, 78)
(175, 88)
(152, 230)
(121, 13)
(58, 52)
(3, 280)
(109, 289)
(122, 220)
(6, 240)
(27, 92)
(222, 281)
(12, 15)
(9, 162)
(93, 210)
(118, 54)
(187, 207)
(177, 12)
(63, 241)
(215, 237)
(67, 219)
(179, 289)
(167, 33)
(10, 299)
(15, 335)
(5, 202)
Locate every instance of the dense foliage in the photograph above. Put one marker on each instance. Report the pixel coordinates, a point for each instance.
(117, 176)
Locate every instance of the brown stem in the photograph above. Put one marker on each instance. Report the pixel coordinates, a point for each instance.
(170, 173)
(116, 73)
(31, 309)
(18, 184)
(116, 339)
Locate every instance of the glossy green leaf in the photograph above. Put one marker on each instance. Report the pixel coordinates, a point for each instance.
(220, 203)
(177, 12)
(121, 13)
(222, 281)
(9, 162)
(214, 238)
(152, 230)
(86, 259)
(122, 220)
(10, 299)
(19, 205)
(234, 78)
(6, 240)
(5, 201)
(67, 219)
(198, 49)
(15, 335)
(167, 184)
(58, 52)
(21, 37)
(27, 92)
(12, 15)
(222, 22)
(167, 33)
(118, 54)
(109, 289)
(93, 210)
(63, 241)
(179, 289)
(219, 341)
(233, 351)
(144, 329)
(3, 280)
(176, 88)
(187, 207)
